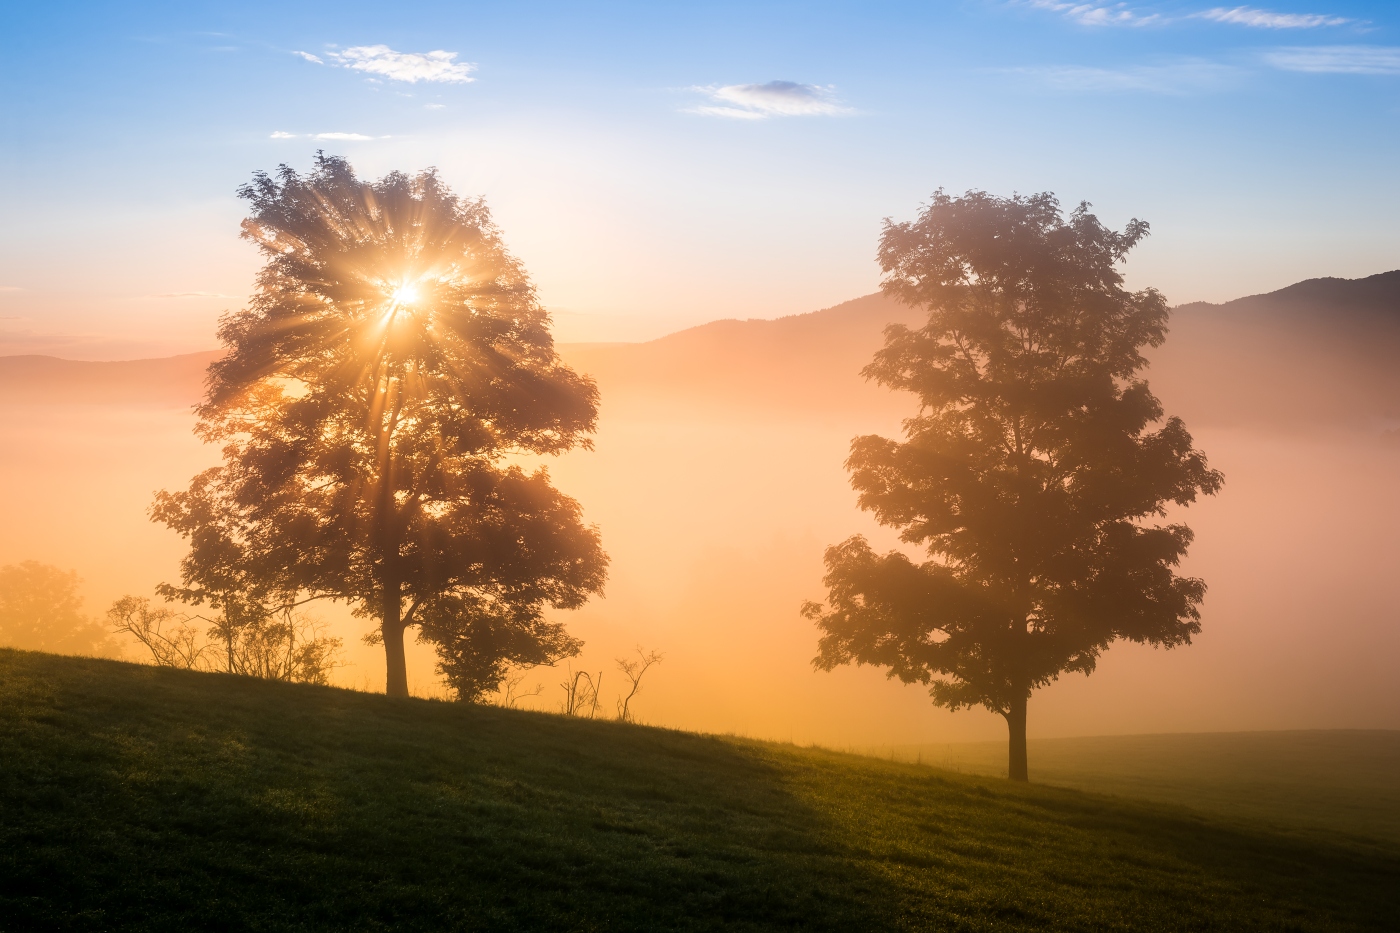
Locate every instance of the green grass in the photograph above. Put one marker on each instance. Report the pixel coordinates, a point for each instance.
(136, 798)
(1339, 781)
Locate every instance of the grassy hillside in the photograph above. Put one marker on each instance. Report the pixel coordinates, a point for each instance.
(138, 798)
(1344, 780)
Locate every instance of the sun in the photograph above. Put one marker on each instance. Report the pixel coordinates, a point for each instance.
(405, 299)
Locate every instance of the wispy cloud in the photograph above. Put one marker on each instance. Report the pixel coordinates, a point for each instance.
(1098, 14)
(1266, 19)
(1338, 59)
(1189, 77)
(309, 57)
(10, 288)
(352, 137)
(774, 99)
(436, 66)
(193, 295)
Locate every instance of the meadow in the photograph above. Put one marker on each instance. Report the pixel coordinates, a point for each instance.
(1322, 780)
(155, 799)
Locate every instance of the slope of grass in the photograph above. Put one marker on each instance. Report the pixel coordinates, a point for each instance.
(136, 798)
(1344, 780)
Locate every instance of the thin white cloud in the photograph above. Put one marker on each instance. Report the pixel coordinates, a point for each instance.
(1266, 19)
(1189, 77)
(309, 57)
(1098, 14)
(1338, 59)
(10, 288)
(774, 99)
(352, 137)
(435, 106)
(436, 66)
(732, 113)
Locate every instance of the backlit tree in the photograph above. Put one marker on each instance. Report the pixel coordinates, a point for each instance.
(1035, 475)
(375, 403)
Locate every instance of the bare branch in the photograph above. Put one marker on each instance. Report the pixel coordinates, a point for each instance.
(633, 671)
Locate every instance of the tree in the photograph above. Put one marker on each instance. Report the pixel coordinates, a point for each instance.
(479, 641)
(274, 643)
(40, 610)
(581, 694)
(511, 695)
(1030, 474)
(166, 634)
(634, 671)
(374, 402)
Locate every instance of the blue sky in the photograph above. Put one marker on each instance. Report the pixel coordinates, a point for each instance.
(658, 165)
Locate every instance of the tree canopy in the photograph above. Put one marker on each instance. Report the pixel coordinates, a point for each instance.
(1036, 474)
(375, 404)
(40, 610)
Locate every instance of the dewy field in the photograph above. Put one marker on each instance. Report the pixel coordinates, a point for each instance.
(147, 799)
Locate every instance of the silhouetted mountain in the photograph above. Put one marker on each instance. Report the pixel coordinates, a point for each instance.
(801, 362)
(168, 382)
(1376, 297)
(1322, 349)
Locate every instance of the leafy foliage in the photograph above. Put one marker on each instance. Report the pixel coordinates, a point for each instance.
(1030, 474)
(479, 641)
(392, 359)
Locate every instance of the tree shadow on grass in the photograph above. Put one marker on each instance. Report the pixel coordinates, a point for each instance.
(141, 798)
(144, 799)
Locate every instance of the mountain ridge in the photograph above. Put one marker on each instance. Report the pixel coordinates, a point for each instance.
(1341, 333)
(1379, 293)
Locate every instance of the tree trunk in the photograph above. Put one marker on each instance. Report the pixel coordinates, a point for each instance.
(1016, 728)
(396, 680)
(391, 612)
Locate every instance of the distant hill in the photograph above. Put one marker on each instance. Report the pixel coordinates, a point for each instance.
(170, 381)
(1373, 299)
(1320, 352)
(152, 799)
(804, 362)
(1317, 350)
